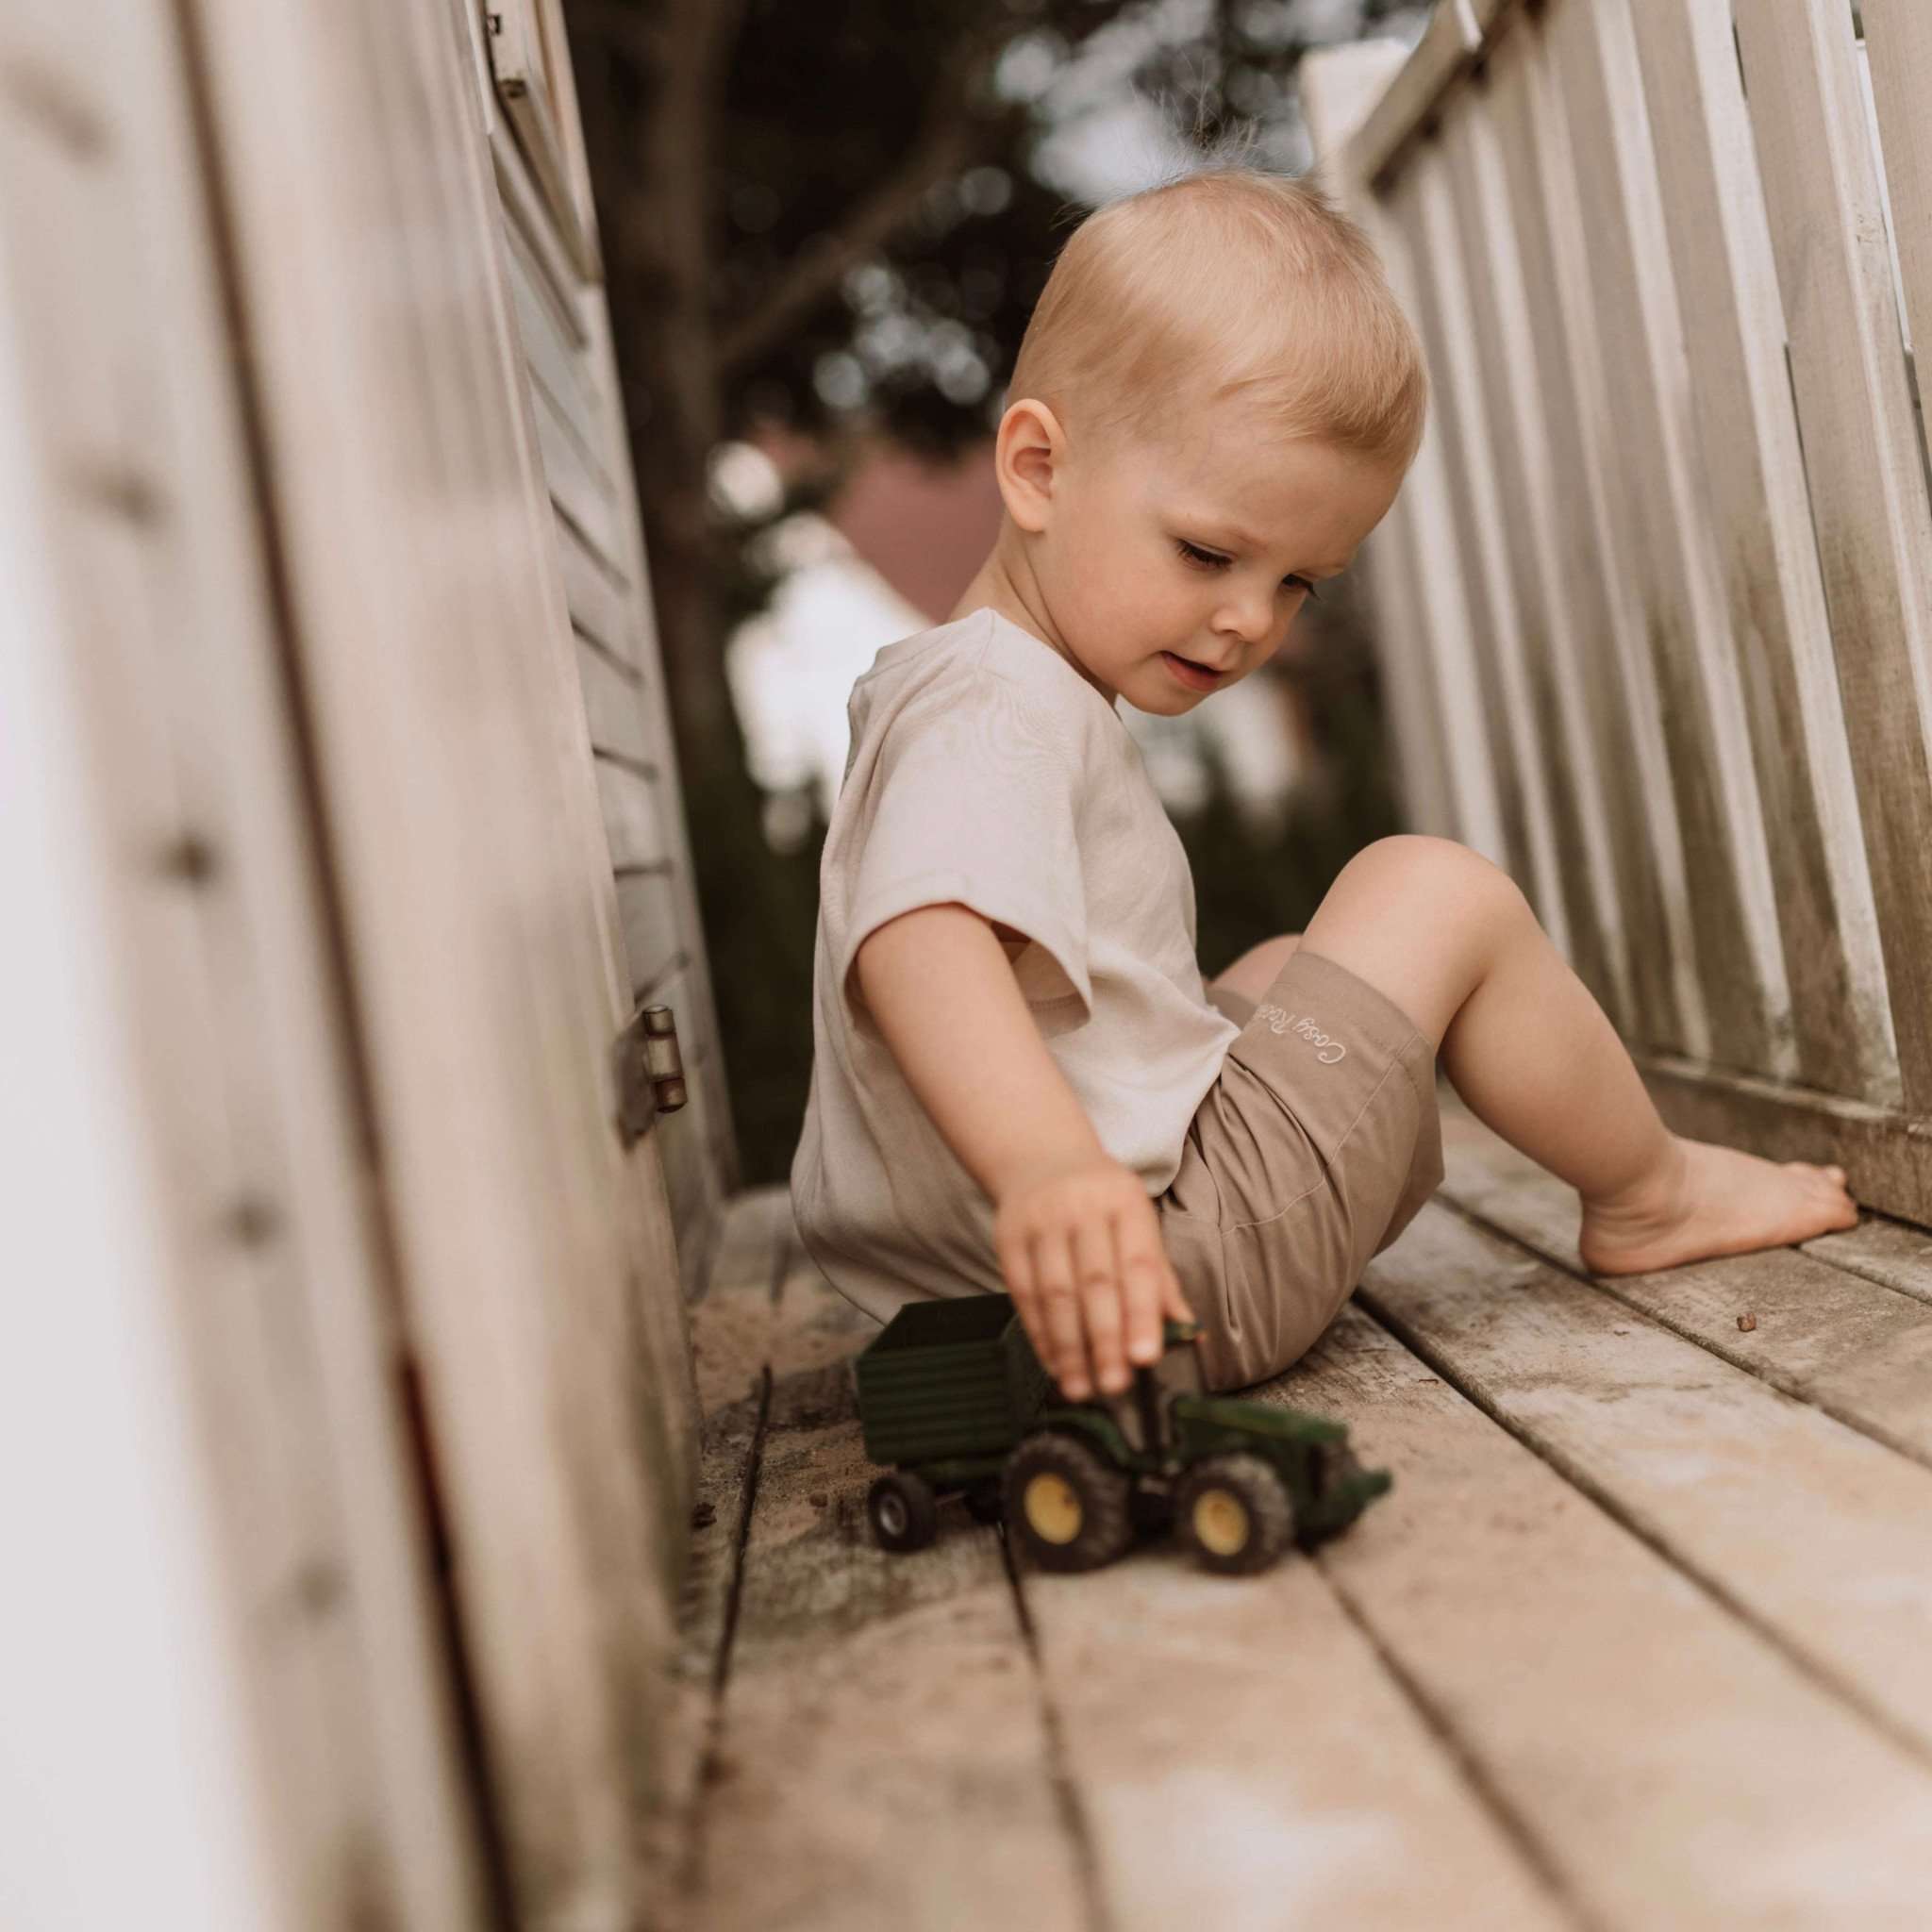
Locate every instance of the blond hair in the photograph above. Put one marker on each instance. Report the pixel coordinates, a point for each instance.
(1229, 280)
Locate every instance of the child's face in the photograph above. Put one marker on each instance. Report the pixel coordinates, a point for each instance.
(1199, 546)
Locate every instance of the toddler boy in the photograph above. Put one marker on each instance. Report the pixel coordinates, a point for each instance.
(1020, 1081)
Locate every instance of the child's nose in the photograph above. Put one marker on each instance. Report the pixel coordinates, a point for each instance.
(1250, 619)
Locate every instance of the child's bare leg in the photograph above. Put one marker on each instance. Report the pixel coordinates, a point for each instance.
(1450, 939)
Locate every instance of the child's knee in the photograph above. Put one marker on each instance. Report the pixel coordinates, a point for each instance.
(1442, 880)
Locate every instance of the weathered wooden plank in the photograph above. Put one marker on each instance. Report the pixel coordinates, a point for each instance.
(731, 1348)
(1556, 737)
(1600, 551)
(553, 342)
(614, 705)
(530, 62)
(647, 914)
(1440, 651)
(630, 801)
(524, 203)
(1805, 1526)
(450, 761)
(1670, 1768)
(1860, 1352)
(1585, 615)
(1755, 476)
(1245, 1758)
(581, 491)
(601, 606)
(1861, 453)
(1442, 773)
(687, 1141)
(681, 1147)
(701, 1016)
(1889, 1161)
(871, 1703)
(1414, 205)
(1450, 41)
(259, 1721)
(1425, 787)
(1740, 956)
(1892, 1252)
(1898, 43)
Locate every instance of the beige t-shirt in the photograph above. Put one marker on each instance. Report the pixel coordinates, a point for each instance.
(985, 769)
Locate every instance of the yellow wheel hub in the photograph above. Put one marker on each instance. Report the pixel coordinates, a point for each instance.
(1221, 1523)
(1053, 1507)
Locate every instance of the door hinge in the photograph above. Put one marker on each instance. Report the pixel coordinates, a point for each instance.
(650, 1071)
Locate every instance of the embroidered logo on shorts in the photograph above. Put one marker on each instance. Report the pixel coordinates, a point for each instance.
(1278, 1020)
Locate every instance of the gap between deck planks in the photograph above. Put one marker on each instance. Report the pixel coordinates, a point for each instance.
(1631, 1645)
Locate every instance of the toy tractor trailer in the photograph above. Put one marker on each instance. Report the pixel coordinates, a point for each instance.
(953, 1397)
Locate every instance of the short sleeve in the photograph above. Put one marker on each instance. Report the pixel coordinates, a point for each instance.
(975, 799)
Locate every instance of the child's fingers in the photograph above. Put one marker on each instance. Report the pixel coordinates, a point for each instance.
(1059, 1298)
(1095, 1270)
(1023, 1287)
(1144, 1273)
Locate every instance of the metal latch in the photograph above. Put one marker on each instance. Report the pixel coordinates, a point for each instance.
(650, 1071)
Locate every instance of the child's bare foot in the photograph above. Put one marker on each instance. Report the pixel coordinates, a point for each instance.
(1708, 1200)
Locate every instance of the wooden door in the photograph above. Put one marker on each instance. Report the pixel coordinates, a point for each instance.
(550, 260)
(402, 468)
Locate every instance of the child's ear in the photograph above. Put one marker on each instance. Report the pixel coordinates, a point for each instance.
(1028, 453)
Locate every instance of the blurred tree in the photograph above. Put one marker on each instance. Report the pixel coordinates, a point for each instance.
(837, 218)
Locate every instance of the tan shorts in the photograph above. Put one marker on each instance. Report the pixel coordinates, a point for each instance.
(1312, 1151)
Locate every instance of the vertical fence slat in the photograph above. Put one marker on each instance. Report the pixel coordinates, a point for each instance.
(1598, 632)
(1507, 354)
(1441, 778)
(1437, 576)
(1734, 527)
(1898, 39)
(1423, 781)
(1621, 690)
(1861, 453)
(1476, 515)
(1740, 393)
(1739, 960)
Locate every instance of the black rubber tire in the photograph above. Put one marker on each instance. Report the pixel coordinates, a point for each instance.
(902, 1512)
(982, 1502)
(1152, 1511)
(1253, 1500)
(1101, 1521)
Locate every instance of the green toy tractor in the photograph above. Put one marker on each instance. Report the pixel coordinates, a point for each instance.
(952, 1395)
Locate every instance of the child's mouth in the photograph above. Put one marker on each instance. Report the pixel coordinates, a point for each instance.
(1194, 676)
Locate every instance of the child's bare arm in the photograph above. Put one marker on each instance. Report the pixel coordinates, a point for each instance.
(1077, 1237)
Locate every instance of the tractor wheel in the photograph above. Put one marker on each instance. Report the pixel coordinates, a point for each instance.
(1066, 1504)
(1233, 1511)
(904, 1513)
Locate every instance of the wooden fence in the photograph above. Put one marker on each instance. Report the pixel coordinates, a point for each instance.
(346, 1372)
(1655, 603)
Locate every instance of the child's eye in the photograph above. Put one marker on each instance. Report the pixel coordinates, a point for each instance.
(1208, 561)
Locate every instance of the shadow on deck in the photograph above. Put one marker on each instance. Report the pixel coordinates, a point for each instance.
(1639, 1640)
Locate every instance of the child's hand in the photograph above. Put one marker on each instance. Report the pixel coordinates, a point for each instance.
(1084, 1263)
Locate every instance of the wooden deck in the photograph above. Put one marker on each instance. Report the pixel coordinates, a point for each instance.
(1639, 1640)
